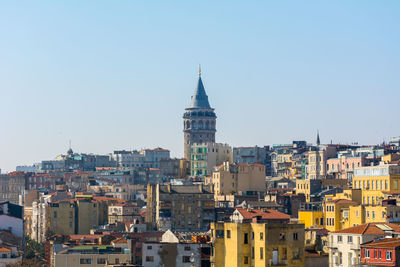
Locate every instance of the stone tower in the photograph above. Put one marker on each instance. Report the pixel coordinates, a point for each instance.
(199, 120)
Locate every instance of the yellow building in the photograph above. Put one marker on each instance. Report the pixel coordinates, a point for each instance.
(336, 212)
(308, 187)
(238, 177)
(257, 238)
(350, 194)
(344, 213)
(374, 180)
(257, 244)
(311, 218)
(387, 159)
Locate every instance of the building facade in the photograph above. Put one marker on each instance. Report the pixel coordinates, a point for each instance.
(375, 180)
(235, 178)
(205, 156)
(257, 244)
(180, 207)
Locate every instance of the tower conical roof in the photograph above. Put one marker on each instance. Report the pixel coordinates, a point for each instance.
(199, 98)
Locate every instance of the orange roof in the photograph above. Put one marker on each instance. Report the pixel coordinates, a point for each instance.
(120, 241)
(369, 229)
(4, 249)
(384, 243)
(79, 237)
(265, 214)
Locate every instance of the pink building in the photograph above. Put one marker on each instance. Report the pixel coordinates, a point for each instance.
(343, 167)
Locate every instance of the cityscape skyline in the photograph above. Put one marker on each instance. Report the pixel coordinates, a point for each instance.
(281, 77)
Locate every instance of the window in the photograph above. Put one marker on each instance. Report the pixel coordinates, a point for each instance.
(349, 239)
(295, 236)
(220, 233)
(357, 215)
(149, 258)
(380, 255)
(282, 236)
(252, 253)
(339, 239)
(85, 261)
(340, 258)
(376, 254)
(228, 233)
(261, 253)
(55, 214)
(373, 214)
(116, 260)
(366, 253)
(246, 238)
(187, 248)
(246, 260)
(149, 247)
(185, 258)
(261, 236)
(388, 255)
(252, 235)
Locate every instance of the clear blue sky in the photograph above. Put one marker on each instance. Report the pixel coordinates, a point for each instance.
(118, 74)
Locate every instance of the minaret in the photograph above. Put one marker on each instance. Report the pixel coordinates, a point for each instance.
(199, 119)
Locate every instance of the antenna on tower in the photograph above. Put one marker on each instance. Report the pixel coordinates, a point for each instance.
(199, 70)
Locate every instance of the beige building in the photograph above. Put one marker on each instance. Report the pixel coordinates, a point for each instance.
(205, 156)
(317, 159)
(231, 178)
(11, 186)
(79, 215)
(180, 207)
(123, 212)
(96, 256)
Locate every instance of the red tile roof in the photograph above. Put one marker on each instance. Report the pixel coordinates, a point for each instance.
(120, 241)
(383, 243)
(4, 249)
(369, 229)
(265, 214)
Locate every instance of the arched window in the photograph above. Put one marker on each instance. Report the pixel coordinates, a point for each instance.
(194, 125)
(200, 124)
(213, 125)
(207, 125)
(187, 124)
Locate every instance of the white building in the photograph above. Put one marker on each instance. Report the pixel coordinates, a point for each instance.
(39, 218)
(344, 245)
(171, 252)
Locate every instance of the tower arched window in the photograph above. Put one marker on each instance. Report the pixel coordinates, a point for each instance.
(200, 124)
(194, 125)
(187, 124)
(213, 125)
(207, 125)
